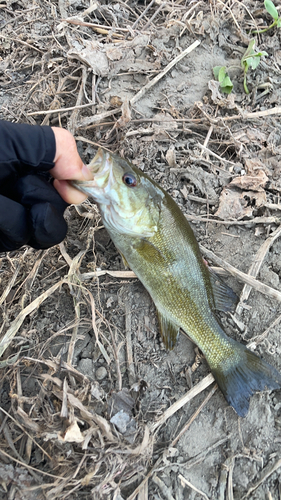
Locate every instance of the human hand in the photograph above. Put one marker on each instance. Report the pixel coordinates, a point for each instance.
(31, 209)
(68, 166)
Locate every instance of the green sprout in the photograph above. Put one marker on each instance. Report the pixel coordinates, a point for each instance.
(250, 59)
(221, 75)
(271, 9)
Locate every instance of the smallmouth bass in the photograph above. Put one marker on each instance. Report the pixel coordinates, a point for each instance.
(158, 244)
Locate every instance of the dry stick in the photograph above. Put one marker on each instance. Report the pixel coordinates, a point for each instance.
(259, 338)
(93, 25)
(265, 474)
(2, 452)
(203, 384)
(72, 122)
(143, 14)
(250, 116)
(88, 141)
(12, 281)
(22, 42)
(96, 119)
(162, 486)
(115, 274)
(204, 148)
(256, 220)
(128, 326)
(155, 80)
(59, 110)
(16, 324)
(245, 278)
(187, 483)
(154, 15)
(256, 265)
(188, 424)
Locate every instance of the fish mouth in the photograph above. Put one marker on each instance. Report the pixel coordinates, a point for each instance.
(99, 188)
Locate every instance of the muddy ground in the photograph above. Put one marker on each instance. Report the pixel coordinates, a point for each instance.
(88, 376)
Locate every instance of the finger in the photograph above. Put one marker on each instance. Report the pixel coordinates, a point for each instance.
(68, 192)
(68, 164)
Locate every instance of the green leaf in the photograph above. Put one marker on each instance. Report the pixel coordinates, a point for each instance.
(221, 75)
(226, 85)
(278, 23)
(216, 71)
(250, 49)
(271, 9)
(251, 59)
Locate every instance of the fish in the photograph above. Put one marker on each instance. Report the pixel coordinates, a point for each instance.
(158, 244)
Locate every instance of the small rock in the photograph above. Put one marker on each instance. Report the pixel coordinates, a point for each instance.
(101, 373)
(85, 366)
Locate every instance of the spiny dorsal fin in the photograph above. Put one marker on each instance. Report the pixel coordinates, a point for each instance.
(169, 330)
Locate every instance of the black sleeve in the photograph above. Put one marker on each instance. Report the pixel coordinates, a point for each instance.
(31, 210)
(25, 148)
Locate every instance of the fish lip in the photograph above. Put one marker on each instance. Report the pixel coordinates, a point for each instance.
(100, 186)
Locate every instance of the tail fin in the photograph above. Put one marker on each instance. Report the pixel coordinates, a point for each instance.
(240, 377)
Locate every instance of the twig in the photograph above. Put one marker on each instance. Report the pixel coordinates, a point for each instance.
(259, 338)
(143, 14)
(128, 326)
(59, 110)
(203, 384)
(187, 483)
(22, 42)
(256, 220)
(16, 324)
(267, 471)
(256, 265)
(98, 118)
(245, 278)
(155, 80)
(2, 452)
(203, 147)
(195, 415)
(255, 114)
(154, 15)
(12, 280)
(93, 25)
(162, 486)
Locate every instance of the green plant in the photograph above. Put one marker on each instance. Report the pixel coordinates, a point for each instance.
(221, 75)
(250, 59)
(271, 9)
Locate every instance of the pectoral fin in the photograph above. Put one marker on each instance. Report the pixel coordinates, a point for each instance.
(126, 265)
(169, 330)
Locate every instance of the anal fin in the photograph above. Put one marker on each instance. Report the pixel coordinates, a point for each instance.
(225, 298)
(169, 330)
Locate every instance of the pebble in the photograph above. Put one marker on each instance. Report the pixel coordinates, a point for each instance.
(101, 373)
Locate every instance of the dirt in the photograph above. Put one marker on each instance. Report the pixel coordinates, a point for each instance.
(219, 456)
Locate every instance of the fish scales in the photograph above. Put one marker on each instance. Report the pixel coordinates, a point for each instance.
(158, 244)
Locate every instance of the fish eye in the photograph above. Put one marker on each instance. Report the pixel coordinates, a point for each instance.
(129, 180)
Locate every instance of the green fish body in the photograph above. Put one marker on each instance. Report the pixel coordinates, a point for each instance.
(158, 244)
